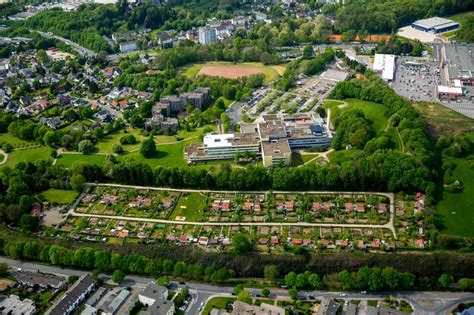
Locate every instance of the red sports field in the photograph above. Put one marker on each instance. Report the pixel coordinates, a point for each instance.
(229, 71)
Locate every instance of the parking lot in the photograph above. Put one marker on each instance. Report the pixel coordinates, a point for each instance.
(416, 82)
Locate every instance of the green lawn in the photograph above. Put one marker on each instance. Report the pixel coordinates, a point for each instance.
(67, 160)
(106, 144)
(462, 19)
(337, 157)
(441, 120)
(190, 206)
(217, 302)
(374, 112)
(168, 155)
(60, 196)
(27, 155)
(14, 141)
(192, 71)
(331, 103)
(456, 211)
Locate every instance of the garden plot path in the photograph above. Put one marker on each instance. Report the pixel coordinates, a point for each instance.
(5, 156)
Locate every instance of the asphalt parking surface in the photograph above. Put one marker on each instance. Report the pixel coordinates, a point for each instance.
(416, 83)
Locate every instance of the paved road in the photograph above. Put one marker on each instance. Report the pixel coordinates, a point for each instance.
(388, 225)
(81, 50)
(441, 302)
(465, 107)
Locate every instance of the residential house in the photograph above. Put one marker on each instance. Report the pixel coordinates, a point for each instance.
(170, 125)
(263, 240)
(73, 296)
(128, 46)
(155, 297)
(42, 280)
(13, 305)
(328, 307)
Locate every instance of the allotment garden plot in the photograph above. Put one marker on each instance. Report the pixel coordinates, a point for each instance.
(231, 207)
(128, 202)
(275, 221)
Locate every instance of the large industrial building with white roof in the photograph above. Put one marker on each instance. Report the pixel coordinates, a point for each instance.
(435, 25)
(385, 64)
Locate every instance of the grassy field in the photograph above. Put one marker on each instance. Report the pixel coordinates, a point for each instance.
(331, 103)
(168, 155)
(60, 196)
(190, 206)
(217, 302)
(270, 72)
(27, 155)
(106, 144)
(442, 120)
(374, 112)
(14, 141)
(462, 19)
(67, 160)
(337, 157)
(456, 211)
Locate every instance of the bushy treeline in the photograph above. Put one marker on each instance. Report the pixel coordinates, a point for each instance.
(381, 171)
(376, 279)
(103, 261)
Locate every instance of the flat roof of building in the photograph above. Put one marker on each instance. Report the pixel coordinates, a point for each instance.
(14, 305)
(276, 148)
(386, 64)
(153, 291)
(335, 75)
(271, 129)
(248, 128)
(460, 61)
(117, 301)
(435, 23)
(160, 306)
(450, 89)
(219, 140)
